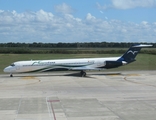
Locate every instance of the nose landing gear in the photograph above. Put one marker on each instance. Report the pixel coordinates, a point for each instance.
(11, 75)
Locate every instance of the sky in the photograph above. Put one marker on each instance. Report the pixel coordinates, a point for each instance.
(53, 21)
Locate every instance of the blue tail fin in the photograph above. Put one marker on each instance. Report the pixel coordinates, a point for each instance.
(132, 52)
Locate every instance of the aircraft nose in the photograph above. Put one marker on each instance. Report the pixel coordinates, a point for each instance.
(7, 70)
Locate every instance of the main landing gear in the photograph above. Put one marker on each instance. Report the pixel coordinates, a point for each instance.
(83, 74)
(11, 75)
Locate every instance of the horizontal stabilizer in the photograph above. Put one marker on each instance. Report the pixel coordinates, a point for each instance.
(142, 45)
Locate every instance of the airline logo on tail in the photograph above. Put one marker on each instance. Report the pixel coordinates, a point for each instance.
(133, 52)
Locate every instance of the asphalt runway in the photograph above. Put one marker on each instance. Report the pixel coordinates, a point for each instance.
(128, 95)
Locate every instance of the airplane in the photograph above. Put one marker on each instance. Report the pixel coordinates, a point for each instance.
(81, 64)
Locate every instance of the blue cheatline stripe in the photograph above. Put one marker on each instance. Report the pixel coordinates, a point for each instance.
(51, 68)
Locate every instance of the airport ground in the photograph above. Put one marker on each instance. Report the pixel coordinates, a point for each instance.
(126, 95)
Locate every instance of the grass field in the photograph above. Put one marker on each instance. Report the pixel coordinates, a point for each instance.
(144, 61)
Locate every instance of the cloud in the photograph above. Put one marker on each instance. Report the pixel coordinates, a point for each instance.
(90, 17)
(44, 16)
(128, 4)
(144, 22)
(42, 26)
(64, 8)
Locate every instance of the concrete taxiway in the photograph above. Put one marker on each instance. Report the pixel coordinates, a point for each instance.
(65, 96)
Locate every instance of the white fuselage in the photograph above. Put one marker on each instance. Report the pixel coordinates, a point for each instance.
(64, 64)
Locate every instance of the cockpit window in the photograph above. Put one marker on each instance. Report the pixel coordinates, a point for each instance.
(12, 64)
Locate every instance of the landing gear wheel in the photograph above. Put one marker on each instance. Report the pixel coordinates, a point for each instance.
(11, 75)
(83, 74)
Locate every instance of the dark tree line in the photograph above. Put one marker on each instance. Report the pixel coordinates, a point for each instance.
(72, 45)
(69, 48)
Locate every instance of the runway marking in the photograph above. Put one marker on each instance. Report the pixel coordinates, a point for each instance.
(35, 81)
(125, 78)
(51, 108)
(28, 78)
(114, 75)
(133, 75)
(53, 101)
(31, 78)
(19, 107)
